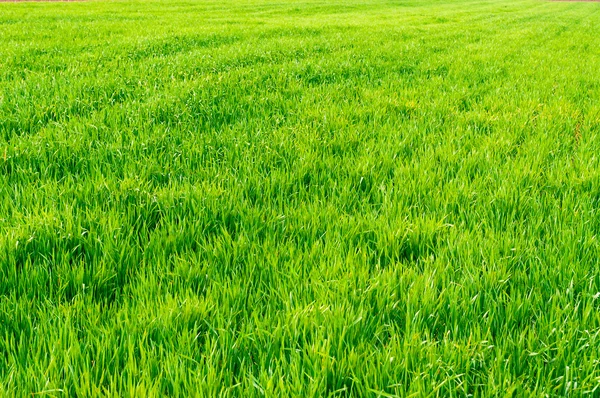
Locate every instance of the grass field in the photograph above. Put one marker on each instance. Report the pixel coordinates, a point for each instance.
(315, 198)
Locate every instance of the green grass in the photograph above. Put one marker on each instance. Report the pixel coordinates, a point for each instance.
(317, 198)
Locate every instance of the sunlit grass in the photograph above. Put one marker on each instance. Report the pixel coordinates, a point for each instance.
(300, 198)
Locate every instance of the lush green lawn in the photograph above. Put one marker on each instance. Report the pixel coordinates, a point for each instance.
(351, 198)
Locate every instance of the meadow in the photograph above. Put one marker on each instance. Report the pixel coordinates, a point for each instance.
(300, 198)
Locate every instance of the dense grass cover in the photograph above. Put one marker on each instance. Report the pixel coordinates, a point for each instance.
(318, 198)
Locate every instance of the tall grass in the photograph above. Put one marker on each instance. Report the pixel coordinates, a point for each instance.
(348, 198)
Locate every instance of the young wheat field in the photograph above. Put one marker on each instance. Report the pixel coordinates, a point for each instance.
(363, 198)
